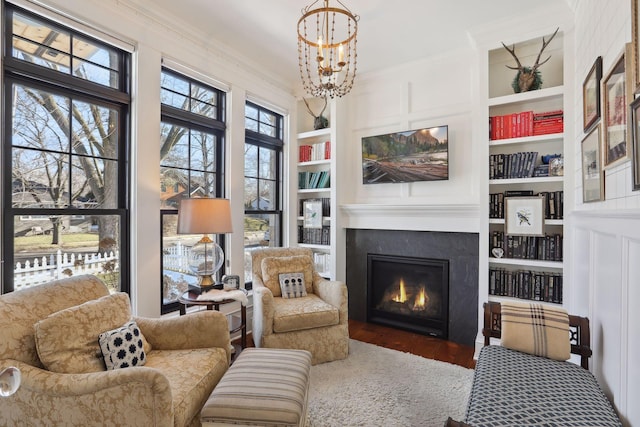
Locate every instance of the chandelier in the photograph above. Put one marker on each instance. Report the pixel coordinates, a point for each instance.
(327, 49)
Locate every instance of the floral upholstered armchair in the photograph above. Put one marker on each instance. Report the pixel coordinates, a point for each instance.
(54, 334)
(294, 307)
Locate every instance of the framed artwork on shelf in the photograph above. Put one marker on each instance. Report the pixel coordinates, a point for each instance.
(591, 95)
(312, 214)
(524, 216)
(592, 176)
(615, 147)
(635, 143)
(635, 37)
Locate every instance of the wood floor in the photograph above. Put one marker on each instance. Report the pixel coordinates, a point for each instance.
(409, 342)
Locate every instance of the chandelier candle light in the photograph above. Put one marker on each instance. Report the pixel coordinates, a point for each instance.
(327, 49)
(206, 216)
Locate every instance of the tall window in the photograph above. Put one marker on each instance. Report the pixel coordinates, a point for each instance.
(65, 145)
(191, 165)
(262, 181)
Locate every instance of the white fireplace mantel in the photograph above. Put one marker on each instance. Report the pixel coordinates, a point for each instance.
(419, 217)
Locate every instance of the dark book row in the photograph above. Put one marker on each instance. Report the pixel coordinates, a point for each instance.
(516, 165)
(314, 236)
(525, 284)
(547, 248)
(553, 202)
(326, 205)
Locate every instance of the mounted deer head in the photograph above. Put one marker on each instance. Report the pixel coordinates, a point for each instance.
(319, 121)
(528, 78)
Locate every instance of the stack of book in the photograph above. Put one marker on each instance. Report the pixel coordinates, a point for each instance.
(547, 248)
(525, 123)
(311, 180)
(524, 284)
(516, 165)
(313, 152)
(548, 122)
(314, 236)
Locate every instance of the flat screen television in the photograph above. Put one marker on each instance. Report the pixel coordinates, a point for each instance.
(409, 156)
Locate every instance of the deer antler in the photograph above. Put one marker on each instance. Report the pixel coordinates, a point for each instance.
(545, 43)
(311, 112)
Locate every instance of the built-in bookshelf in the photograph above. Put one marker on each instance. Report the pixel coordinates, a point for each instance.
(526, 131)
(314, 208)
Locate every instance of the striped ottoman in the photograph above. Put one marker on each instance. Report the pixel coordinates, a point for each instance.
(263, 387)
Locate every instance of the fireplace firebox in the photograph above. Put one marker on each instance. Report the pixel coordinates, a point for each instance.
(408, 293)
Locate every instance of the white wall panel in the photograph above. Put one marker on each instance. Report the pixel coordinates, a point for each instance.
(632, 374)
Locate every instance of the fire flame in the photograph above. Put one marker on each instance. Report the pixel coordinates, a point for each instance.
(421, 300)
(402, 295)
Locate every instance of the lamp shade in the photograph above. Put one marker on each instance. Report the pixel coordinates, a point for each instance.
(204, 216)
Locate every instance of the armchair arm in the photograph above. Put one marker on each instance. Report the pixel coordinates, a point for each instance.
(203, 329)
(100, 398)
(262, 312)
(335, 293)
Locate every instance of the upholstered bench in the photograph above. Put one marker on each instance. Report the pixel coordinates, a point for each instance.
(263, 387)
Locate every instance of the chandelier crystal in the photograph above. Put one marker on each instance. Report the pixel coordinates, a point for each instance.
(327, 49)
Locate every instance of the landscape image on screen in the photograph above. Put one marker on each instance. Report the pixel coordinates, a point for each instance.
(415, 155)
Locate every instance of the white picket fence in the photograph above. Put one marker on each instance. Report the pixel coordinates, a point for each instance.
(176, 258)
(59, 265)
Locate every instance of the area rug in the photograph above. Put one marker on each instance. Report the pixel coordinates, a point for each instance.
(376, 386)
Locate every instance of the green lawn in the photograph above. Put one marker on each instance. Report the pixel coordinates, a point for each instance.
(67, 241)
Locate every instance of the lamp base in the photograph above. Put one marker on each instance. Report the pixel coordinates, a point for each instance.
(205, 283)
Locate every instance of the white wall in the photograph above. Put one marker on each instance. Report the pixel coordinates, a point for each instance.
(605, 236)
(153, 38)
(427, 93)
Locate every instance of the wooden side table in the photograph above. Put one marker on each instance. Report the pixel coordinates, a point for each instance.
(189, 299)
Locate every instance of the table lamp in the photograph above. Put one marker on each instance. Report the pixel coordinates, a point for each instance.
(206, 216)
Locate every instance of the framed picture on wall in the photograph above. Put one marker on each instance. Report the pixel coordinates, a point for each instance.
(615, 139)
(524, 216)
(591, 95)
(635, 143)
(592, 176)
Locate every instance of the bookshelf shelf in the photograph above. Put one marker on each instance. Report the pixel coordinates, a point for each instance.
(524, 139)
(526, 263)
(313, 190)
(524, 97)
(546, 221)
(542, 179)
(499, 298)
(315, 163)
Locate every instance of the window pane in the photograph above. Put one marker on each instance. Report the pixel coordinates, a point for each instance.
(88, 71)
(202, 151)
(174, 150)
(267, 118)
(251, 112)
(250, 124)
(49, 58)
(267, 190)
(90, 174)
(176, 84)
(50, 247)
(40, 179)
(202, 184)
(174, 99)
(94, 130)
(267, 163)
(250, 160)
(174, 184)
(267, 130)
(251, 193)
(204, 109)
(90, 51)
(260, 230)
(34, 123)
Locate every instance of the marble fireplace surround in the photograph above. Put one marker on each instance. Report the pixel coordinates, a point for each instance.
(364, 235)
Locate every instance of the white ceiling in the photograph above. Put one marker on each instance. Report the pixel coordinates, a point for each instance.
(390, 32)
